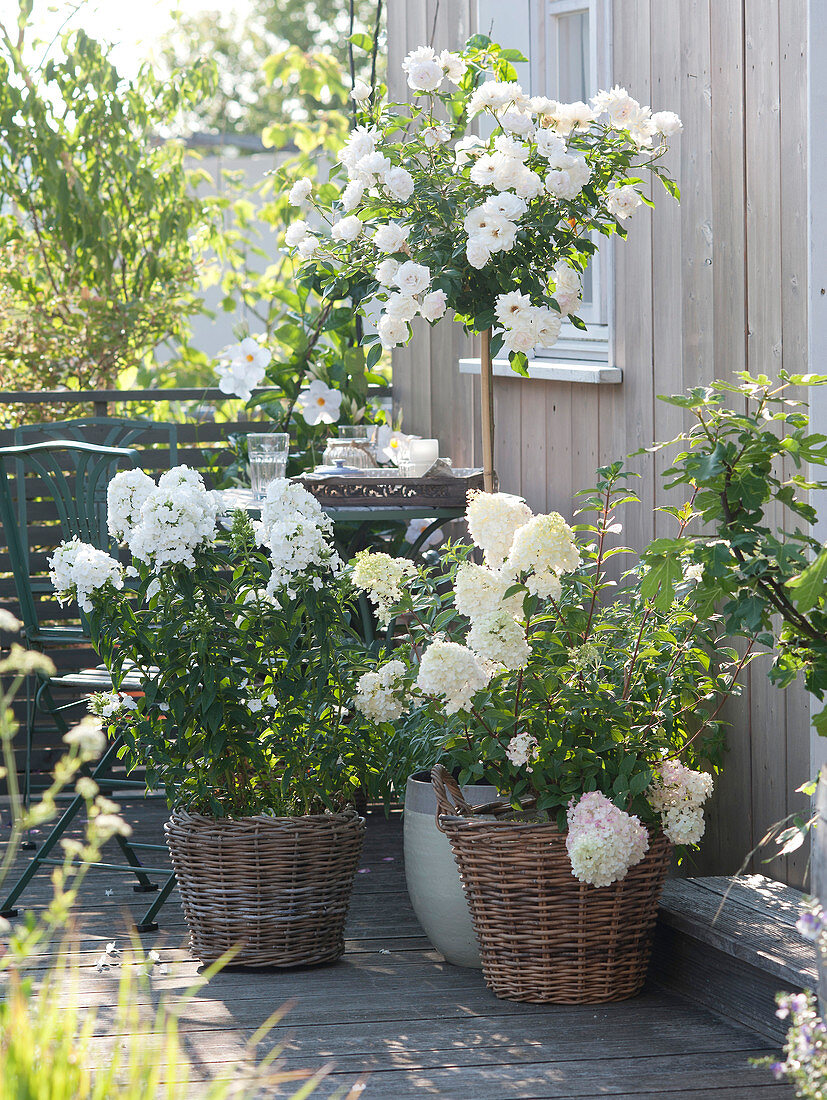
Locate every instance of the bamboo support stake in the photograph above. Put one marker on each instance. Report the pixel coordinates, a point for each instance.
(487, 401)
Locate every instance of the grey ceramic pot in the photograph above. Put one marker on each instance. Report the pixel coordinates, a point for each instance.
(431, 872)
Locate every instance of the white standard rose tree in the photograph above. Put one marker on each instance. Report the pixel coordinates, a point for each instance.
(524, 676)
(428, 217)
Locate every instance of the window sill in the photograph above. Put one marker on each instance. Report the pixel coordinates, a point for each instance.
(552, 370)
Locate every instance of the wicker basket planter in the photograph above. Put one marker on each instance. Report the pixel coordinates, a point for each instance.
(543, 935)
(276, 888)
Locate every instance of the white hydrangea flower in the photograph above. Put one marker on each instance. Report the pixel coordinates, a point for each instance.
(541, 550)
(498, 637)
(493, 518)
(678, 793)
(453, 673)
(479, 591)
(125, 495)
(78, 569)
(177, 517)
(522, 750)
(382, 695)
(382, 578)
(296, 531)
(603, 842)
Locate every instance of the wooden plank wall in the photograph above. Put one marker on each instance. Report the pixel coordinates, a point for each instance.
(701, 290)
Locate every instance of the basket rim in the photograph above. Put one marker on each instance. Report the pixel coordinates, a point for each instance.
(473, 823)
(182, 817)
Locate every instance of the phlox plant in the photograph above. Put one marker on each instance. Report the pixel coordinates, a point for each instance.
(534, 673)
(237, 639)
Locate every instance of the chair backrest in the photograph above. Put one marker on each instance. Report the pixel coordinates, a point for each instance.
(50, 492)
(105, 431)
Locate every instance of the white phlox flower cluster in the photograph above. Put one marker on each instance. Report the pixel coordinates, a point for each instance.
(241, 367)
(452, 673)
(176, 516)
(678, 793)
(125, 496)
(492, 521)
(112, 703)
(522, 750)
(542, 550)
(480, 591)
(78, 569)
(296, 531)
(382, 578)
(498, 637)
(603, 842)
(382, 694)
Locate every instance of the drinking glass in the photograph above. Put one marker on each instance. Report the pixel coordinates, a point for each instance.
(267, 454)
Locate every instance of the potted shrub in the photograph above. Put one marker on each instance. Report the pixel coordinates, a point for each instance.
(595, 718)
(236, 636)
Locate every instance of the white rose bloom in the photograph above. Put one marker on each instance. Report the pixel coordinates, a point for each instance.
(299, 192)
(319, 404)
(391, 237)
(361, 92)
(572, 116)
(542, 549)
(435, 135)
(493, 519)
(643, 133)
(296, 233)
(477, 252)
(500, 234)
(540, 105)
(412, 278)
(550, 146)
(510, 307)
(346, 229)
(308, 247)
(401, 307)
(399, 183)
(523, 339)
(567, 182)
(392, 331)
(423, 69)
(371, 168)
(467, 147)
(484, 170)
(506, 145)
(666, 123)
(603, 99)
(352, 195)
(517, 122)
(505, 205)
(386, 271)
(507, 172)
(361, 141)
(567, 286)
(499, 637)
(480, 591)
(548, 322)
(433, 305)
(625, 113)
(623, 201)
(451, 672)
(495, 95)
(528, 184)
(452, 65)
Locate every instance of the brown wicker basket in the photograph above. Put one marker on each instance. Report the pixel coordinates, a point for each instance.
(543, 935)
(275, 888)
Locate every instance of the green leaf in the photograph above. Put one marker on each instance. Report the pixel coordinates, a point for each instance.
(808, 587)
(362, 41)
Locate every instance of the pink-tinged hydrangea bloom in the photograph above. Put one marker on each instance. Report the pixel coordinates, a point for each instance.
(603, 842)
(677, 793)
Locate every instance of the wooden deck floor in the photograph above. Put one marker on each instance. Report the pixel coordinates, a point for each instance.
(394, 1010)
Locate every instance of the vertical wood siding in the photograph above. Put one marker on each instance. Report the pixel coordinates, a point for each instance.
(701, 290)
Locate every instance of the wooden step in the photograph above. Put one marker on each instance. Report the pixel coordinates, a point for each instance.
(730, 944)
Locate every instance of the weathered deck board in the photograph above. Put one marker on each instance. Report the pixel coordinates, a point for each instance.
(393, 1010)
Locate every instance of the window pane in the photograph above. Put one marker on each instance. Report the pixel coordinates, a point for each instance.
(573, 76)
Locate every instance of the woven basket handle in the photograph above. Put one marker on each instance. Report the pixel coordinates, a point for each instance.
(449, 800)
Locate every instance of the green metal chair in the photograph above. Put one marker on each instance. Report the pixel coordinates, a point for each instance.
(106, 431)
(67, 479)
